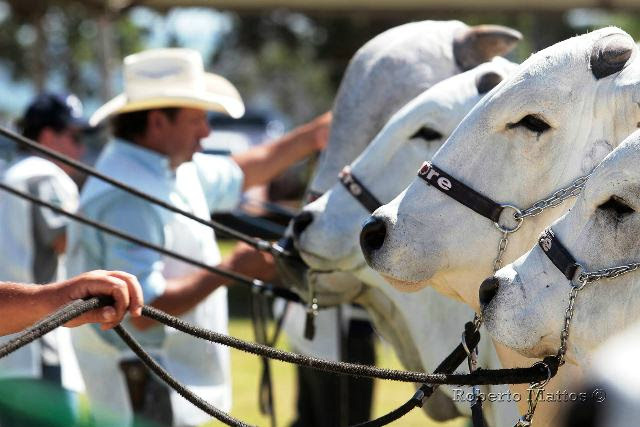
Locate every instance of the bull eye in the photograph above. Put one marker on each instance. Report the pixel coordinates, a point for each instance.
(617, 207)
(427, 133)
(532, 123)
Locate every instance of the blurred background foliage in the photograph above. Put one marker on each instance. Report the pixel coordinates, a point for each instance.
(281, 60)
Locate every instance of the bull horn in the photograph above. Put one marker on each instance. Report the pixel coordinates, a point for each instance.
(479, 44)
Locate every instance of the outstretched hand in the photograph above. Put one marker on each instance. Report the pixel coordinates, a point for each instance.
(317, 131)
(247, 260)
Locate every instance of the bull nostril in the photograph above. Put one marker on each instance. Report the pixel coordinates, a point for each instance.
(301, 222)
(372, 235)
(488, 290)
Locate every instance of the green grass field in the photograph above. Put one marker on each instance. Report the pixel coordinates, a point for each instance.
(246, 370)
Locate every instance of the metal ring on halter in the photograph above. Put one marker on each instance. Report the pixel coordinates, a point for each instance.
(541, 384)
(577, 282)
(518, 220)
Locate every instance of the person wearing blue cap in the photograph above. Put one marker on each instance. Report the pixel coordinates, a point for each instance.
(34, 242)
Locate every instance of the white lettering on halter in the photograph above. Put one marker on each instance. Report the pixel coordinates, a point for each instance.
(430, 175)
(444, 183)
(347, 179)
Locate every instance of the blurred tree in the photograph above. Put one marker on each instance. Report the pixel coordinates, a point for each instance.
(299, 59)
(67, 43)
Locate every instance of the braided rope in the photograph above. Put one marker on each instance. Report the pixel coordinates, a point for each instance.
(441, 375)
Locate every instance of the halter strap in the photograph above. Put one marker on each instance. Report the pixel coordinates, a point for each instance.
(358, 190)
(453, 188)
(558, 254)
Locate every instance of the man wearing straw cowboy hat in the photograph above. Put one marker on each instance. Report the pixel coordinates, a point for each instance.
(158, 123)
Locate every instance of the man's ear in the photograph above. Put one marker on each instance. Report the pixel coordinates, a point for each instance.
(156, 121)
(47, 137)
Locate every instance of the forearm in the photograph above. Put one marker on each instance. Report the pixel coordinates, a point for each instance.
(182, 294)
(23, 305)
(262, 164)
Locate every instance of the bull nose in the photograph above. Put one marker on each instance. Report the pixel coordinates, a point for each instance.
(488, 290)
(372, 235)
(301, 222)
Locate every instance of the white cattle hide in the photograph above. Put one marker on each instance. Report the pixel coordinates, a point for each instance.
(330, 241)
(553, 120)
(600, 231)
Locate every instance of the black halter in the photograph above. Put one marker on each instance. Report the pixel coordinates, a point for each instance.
(453, 188)
(558, 254)
(358, 190)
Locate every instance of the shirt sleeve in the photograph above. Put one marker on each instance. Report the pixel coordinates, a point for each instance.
(49, 225)
(221, 179)
(138, 219)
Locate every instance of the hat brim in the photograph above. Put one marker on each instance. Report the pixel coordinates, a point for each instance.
(219, 95)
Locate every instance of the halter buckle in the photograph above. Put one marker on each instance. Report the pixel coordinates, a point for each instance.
(543, 383)
(576, 282)
(518, 219)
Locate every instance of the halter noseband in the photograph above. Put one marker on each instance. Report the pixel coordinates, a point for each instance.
(558, 254)
(355, 187)
(479, 203)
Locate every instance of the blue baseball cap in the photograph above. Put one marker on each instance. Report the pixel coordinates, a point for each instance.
(55, 111)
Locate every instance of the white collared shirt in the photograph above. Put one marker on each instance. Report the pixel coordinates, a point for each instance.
(206, 184)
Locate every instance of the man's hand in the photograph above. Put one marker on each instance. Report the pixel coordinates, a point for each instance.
(123, 287)
(248, 261)
(316, 131)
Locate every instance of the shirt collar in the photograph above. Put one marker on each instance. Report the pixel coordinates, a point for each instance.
(149, 159)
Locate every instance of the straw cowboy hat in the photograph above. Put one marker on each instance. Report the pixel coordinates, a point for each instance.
(174, 77)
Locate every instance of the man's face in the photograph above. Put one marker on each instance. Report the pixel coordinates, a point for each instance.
(67, 142)
(183, 133)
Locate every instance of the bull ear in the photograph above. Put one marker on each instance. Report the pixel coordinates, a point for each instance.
(487, 81)
(479, 44)
(610, 54)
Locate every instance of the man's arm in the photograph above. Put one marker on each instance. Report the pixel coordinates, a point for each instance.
(22, 305)
(49, 226)
(184, 293)
(263, 163)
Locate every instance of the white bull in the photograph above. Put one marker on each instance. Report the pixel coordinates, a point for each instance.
(389, 71)
(327, 231)
(525, 307)
(553, 120)
(384, 74)
(393, 68)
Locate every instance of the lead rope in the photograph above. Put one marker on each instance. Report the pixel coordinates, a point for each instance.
(259, 244)
(263, 287)
(483, 377)
(536, 389)
(265, 386)
(477, 415)
(441, 376)
(579, 280)
(312, 309)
